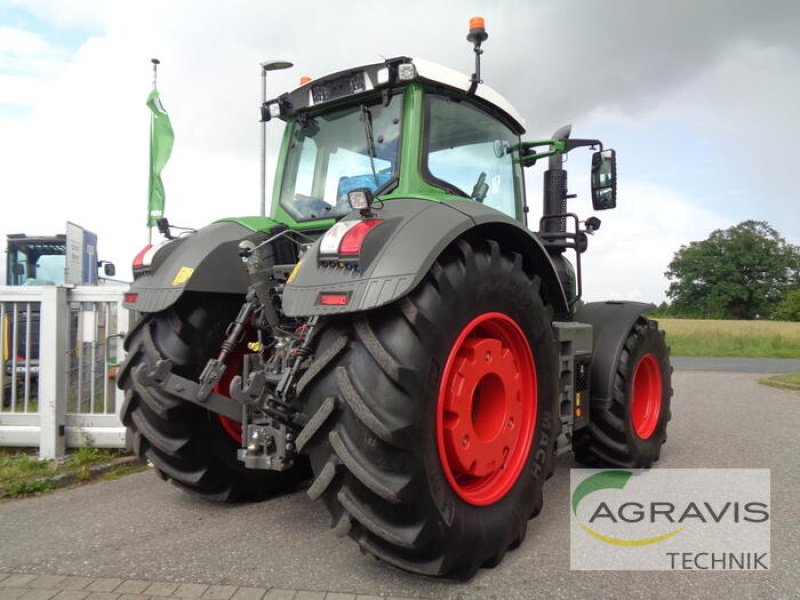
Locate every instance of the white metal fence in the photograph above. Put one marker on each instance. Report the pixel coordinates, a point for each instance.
(60, 348)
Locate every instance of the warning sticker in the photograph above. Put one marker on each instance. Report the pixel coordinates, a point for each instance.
(184, 273)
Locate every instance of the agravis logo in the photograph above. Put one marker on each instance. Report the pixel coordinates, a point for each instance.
(670, 519)
(611, 480)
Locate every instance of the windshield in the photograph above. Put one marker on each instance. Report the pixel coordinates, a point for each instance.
(469, 153)
(39, 264)
(332, 154)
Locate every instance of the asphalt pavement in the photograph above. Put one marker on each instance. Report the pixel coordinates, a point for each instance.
(142, 530)
(737, 365)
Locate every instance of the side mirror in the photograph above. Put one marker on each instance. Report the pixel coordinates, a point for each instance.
(109, 269)
(604, 179)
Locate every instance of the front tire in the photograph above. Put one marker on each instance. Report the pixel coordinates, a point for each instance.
(185, 443)
(629, 430)
(395, 393)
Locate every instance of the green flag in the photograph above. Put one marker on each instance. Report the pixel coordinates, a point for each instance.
(161, 138)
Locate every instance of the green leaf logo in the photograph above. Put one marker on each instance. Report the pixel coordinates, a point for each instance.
(611, 480)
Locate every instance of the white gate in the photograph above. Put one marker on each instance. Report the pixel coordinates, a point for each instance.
(61, 347)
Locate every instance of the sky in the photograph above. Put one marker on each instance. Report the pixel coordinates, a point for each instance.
(701, 101)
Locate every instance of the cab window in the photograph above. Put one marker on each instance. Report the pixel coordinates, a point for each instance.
(469, 153)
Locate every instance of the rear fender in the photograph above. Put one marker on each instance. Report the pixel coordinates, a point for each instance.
(206, 261)
(611, 324)
(398, 253)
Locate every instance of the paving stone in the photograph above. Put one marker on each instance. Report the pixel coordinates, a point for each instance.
(131, 597)
(249, 593)
(338, 596)
(38, 594)
(11, 593)
(303, 595)
(102, 596)
(363, 597)
(3, 576)
(18, 580)
(70, 595)
(104, 584)
(190, 590)
(132, 586)
(276, 594)
(75, 582)
(161, 589)
(219, 592)
(47, 582)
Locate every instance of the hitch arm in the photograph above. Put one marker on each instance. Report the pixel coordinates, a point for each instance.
(176, 387)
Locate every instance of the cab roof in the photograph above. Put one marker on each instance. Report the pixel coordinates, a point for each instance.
(390, 74)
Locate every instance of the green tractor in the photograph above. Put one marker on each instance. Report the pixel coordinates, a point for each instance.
(393, 332)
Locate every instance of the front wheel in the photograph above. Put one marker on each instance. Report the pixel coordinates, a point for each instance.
(629, 429)
(433, 419)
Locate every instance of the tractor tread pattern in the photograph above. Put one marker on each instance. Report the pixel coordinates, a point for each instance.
(320, 363)
(383, 426)
(388, 487)
(315, 422)
(185, 443)
(366, 480)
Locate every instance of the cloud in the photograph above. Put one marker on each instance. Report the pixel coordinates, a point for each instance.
(628, 256)
(726, 69)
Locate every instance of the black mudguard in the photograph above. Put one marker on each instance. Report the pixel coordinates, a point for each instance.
(398, 253)
(206, 261)
(611, 323)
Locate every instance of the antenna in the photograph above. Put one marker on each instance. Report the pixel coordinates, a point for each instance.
(477, 35)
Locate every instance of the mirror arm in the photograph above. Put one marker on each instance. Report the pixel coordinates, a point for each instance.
(572, 144)
(528, 156)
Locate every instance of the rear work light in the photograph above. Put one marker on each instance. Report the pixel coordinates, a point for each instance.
(346, 237)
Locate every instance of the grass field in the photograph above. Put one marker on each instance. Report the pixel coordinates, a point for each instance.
(22, 474)
(753, 339)
(787, 381)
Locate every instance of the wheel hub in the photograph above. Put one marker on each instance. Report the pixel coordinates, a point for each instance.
(646, 396)
(487, 409)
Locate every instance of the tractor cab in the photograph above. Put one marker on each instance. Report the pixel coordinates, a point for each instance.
(402, 128)
(410, 129)
(36, 260)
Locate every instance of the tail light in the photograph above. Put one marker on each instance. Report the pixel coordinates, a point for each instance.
(346, 237)
(333, 299)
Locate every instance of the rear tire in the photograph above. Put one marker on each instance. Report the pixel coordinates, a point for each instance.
(629, 430)
(379, 393)
(185, 443)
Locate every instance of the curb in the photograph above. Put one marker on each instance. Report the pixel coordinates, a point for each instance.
(83, 474)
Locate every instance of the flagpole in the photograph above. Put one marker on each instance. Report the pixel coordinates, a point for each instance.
(155, 62)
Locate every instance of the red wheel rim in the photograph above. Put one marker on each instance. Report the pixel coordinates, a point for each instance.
(486, 410)
(646, 396)
(233, 366)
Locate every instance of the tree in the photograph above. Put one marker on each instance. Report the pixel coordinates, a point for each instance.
(789, 308)
(738, 273)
